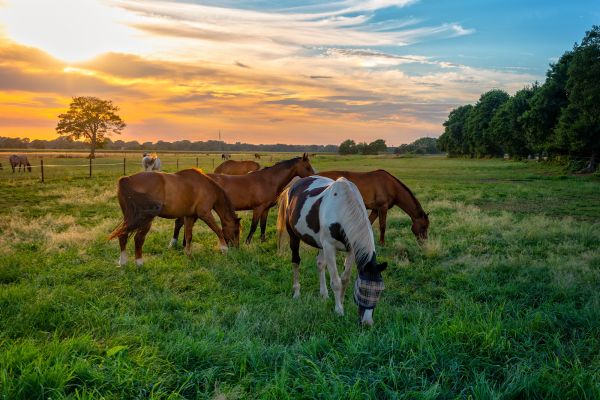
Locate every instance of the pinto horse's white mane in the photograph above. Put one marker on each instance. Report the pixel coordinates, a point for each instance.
(351, 214)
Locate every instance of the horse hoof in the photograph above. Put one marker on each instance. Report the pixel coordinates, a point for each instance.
(172, 243)
(339, 311)
(324, 296)
(139, 262)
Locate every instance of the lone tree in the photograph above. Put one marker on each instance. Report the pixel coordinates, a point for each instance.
(92, 119)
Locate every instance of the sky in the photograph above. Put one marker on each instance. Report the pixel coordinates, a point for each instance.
(263, 71)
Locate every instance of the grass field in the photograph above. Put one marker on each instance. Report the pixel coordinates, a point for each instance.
(502, 302)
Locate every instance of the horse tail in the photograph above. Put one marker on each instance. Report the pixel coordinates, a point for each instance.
(282, 204)
(138, 209)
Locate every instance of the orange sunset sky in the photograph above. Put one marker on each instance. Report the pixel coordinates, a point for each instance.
(262, 73)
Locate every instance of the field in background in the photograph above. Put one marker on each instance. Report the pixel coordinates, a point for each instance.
(503, 300)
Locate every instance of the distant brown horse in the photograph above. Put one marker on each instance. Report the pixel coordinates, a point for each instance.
(232, 167)
(20, 161)
(187, 194)
(225, 156)
(381, 191)
(256, 156)
(258, 191)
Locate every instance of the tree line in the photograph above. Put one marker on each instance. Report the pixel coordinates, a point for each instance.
(349, 146)
(65, 143)
(557, 119)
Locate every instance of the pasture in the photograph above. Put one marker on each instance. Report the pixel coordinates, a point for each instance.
(503, 301)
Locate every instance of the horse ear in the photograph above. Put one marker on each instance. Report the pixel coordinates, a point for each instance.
(381, 267)
(305, 156)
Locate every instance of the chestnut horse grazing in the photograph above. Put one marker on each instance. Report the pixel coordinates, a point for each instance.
(232, 167)
(330, 215)
(187, 194)
(258, 191)
(20, 161)
(381, 191)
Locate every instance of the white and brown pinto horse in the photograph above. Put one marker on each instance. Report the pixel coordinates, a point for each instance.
(330, 215)
(151, 162)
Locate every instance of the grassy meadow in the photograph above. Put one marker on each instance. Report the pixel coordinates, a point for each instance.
(503, 301)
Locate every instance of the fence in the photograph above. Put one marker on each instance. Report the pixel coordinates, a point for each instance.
(50, 166)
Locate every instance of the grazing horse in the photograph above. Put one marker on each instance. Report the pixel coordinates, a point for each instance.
(151, 162)
(330, 215)
(256, 156)
(225, 156)
(232, 167)
(381, 191)
(258, 191)
(187, 194)
(20, 161)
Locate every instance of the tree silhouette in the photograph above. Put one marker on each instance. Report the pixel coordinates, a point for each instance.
(92, 119)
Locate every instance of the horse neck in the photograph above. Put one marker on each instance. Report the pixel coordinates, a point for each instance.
(404, 199)
(281, 176)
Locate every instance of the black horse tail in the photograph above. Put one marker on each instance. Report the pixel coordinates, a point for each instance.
(138, 209)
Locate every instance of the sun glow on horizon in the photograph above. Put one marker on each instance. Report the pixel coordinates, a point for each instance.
(70, 30)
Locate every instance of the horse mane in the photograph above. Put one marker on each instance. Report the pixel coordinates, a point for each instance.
(284, 163)
(355, 221)
(422, 213)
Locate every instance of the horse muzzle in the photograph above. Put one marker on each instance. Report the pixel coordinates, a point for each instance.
(366, 295)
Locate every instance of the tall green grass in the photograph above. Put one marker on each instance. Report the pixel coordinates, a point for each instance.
(502, 302)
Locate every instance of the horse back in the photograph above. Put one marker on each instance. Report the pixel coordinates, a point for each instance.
(377, 188)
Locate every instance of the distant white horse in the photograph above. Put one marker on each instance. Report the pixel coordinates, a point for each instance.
(330, 215)
(150, 162)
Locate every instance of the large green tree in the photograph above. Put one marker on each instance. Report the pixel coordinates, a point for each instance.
(478, 133)
(453, 140)
(578, 128)
(91, 119)
(506, 126)
(545, 106)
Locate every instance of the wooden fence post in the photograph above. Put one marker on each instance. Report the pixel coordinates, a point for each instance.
(42, 169)
(196, 162)
(213, 164)
(90, 167)
(124, 171)
(178, 164)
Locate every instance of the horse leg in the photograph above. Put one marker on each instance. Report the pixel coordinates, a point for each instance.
(334, 277)
(347, 271)
(176, 229)
(295, 247)
(373, 216)
(139, 239)
(321, 264)
(263, 225)
(382, 223)
(256, 213)
(188, 225)
(212, 224)
(123, 246)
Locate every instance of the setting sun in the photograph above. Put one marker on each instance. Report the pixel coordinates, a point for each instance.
(71, 30)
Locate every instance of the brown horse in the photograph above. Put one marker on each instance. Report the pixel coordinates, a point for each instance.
(256, 156)
(381, 191)
(225, 156)
(231, 167)
(187, 194)
(20, 161)
(258, 191)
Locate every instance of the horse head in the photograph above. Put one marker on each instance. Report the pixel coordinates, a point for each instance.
(303, 167)
(231, 233)
(420, 226)
(367, 290)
